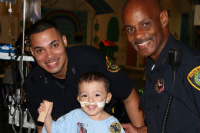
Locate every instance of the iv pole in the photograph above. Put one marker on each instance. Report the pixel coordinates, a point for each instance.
(23, 28)
(21, 65)
(18, 97)
(21, 115)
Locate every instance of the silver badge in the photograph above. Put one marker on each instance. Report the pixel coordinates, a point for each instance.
(159, 85)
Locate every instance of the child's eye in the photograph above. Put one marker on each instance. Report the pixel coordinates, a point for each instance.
(84, 95)
(97, 95)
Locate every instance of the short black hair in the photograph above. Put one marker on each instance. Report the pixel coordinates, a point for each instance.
(94, 76)
(42, 25)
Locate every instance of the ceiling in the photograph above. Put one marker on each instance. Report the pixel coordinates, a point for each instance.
(98, 6)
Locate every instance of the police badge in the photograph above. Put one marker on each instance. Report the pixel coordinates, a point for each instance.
(159, 85)
(111, 65)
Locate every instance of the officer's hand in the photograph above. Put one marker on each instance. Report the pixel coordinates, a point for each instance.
(142, 129)
(129, 128)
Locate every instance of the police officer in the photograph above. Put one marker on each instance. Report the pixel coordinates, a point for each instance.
(147, 31)
(56, 76)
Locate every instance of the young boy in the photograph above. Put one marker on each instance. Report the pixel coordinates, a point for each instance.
(93, 94)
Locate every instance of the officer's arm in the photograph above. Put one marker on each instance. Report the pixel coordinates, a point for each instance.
(39, 129)
(132, 109)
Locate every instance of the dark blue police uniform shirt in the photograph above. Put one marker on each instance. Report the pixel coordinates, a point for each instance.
(40, 85)
(184, 115)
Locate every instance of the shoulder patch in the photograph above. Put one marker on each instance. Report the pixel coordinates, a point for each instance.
(111, 65)
(194, 78)
(115, 127)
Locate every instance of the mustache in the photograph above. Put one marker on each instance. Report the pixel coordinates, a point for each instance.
(51, 60)
(139, 41)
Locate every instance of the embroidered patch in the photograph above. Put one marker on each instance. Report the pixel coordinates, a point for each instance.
(82, 128)
(159, 85)
(111, 65)
(115, 127)
(194, 78)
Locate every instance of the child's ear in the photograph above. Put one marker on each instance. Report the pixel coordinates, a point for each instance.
(109, 96)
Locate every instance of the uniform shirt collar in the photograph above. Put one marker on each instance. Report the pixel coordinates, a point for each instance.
(163, 57)
(72, 71)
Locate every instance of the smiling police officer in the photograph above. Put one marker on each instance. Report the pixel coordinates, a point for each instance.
(59, 69)
(147, 31)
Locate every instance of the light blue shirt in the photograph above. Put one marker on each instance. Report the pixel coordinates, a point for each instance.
(77, 120)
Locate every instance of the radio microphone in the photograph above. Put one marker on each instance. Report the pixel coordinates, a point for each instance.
(175, 58)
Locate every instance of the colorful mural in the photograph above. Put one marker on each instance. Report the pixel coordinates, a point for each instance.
(113, 29)
(73, 24)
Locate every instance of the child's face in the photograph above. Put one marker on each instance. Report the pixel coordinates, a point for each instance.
(93, 94)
